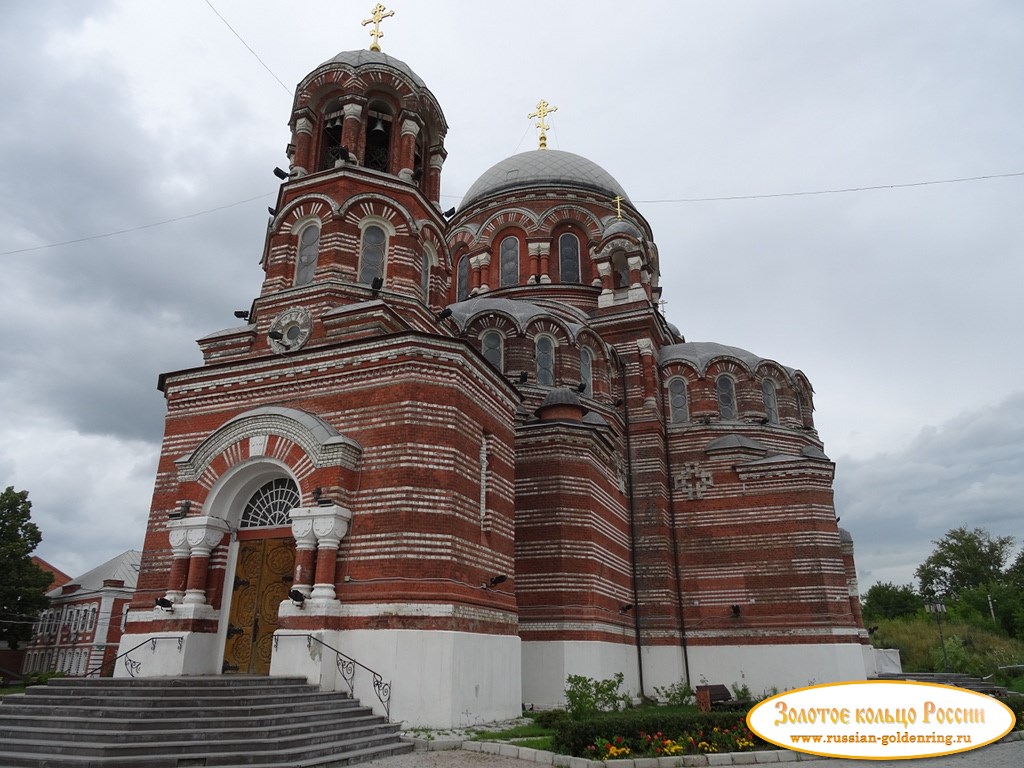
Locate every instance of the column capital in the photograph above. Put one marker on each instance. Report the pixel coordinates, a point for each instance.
(200, 535)
(326, 526)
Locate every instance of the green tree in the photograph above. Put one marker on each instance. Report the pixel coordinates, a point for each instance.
(23, 584)
(963, 559)
(888, 601)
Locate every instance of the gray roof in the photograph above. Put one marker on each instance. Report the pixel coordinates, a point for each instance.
(125, 567)
(540, 168)
(735, 442)
(622, 227)
(701, 353)
(367, 58)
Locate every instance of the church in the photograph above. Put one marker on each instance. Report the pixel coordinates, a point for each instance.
(448, 458)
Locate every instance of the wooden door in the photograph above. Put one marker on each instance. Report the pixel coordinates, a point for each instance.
(263, 576)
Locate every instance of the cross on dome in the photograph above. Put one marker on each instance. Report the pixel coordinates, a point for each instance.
(378, 14)
(543, 110)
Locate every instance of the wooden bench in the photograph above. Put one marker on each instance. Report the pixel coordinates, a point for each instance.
(710, 695)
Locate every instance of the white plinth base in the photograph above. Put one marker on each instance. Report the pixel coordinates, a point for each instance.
(548, 663)
(438, 679)
(162, 654)
(763, 668)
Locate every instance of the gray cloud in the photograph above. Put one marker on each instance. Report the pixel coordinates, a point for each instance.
(900, 305)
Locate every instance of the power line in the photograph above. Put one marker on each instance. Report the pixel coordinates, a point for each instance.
(726, 198)
(135, 229)
(286, 88)
(833, 191)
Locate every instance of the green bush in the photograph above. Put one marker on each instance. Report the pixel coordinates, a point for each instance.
(586, 696)
(574, 736)
(675, 695)
(550, 718)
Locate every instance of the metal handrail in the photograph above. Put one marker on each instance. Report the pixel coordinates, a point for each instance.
(133, 667)
(347, 668)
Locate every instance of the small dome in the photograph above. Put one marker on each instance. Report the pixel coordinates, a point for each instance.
(701, 353)
(561, 396)
(622, 227)
(542, 168)
(374, 60)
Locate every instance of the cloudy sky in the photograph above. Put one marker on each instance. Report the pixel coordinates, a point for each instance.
(903, 305)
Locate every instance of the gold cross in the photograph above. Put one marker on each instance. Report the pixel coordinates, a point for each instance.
(543, 110)
(618, 204)
(378, 16)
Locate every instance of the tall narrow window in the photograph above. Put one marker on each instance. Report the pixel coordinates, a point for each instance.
(620, 270)
(491, 343)
(726, 398)
(679, 408)
(545, 351)
(371, 262)
(771, 405)
(587, 371)
(569, 258)
(330, 141)
(509, 258)
(462, 280)
(378, 142)
(309, 251)
(425, 276)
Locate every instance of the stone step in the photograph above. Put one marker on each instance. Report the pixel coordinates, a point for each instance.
(256, 742)
(214, 719)
(100, 732)
(219, 721)
(192, 682)
(340, 707)
(96, 698)
(335, 756)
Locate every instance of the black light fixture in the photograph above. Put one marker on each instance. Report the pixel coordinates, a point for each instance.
(417, 174)
(523, 377)
(494, 581)
(164, 604)
(444, 314)
(317, 493)
(735, 611)
(296, 597)
(343, 153)
(618, 403)
(625, 608)
(581, 387)
(282, 175)
(271, 211)
(181, 511)
(377, 284)
(241, 314)
(449, 213)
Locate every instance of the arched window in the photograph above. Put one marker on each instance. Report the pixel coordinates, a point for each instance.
(545, 353)
(771, 405)
(679, 408)
(569, 258)
(491, 345)
(462, 280)
(371, 261)
(305, 265)
(330, 141)
(425, 276)
(726, 398)
(270, 505)
(587, 371)
(509, 260)
(620, 270)
(378, 138)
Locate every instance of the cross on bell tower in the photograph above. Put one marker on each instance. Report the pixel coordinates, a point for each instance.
(378, 14)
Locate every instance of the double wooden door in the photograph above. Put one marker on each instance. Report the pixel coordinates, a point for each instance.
(263, 576)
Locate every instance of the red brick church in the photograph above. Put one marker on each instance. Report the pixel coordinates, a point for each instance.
(466, 450)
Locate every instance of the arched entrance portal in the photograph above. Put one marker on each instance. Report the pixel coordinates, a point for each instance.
(264, 565)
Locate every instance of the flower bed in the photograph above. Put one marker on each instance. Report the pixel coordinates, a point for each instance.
(649, 733)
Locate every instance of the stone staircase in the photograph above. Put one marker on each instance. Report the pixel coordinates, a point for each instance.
(957, 679)
(225, 721)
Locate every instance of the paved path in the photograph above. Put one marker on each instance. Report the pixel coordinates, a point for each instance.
(1009, 755)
